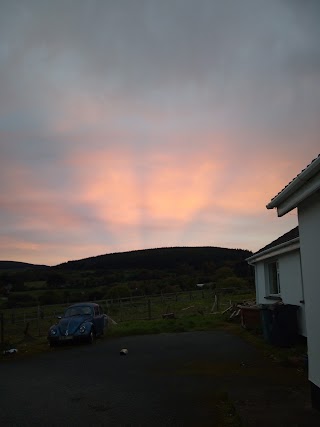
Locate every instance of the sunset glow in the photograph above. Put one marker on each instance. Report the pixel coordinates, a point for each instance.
(144, 133)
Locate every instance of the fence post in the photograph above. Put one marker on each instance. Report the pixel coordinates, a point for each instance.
(215, 306)
(2, 328)
(149, 309)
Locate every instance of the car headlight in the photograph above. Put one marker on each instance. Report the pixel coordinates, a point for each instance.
(53, 332)
(82, 329)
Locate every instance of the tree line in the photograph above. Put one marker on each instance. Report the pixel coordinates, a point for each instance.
(139, 273)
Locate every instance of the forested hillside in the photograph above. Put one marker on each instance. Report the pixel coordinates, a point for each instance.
(163, 258)
(142, 272)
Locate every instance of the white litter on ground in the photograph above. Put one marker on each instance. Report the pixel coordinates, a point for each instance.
(11, 351)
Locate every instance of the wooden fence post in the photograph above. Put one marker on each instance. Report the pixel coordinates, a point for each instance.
(215, 307)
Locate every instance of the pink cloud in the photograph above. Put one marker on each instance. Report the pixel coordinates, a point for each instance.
(196, 187)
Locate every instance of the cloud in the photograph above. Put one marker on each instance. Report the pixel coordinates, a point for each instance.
(126, 125)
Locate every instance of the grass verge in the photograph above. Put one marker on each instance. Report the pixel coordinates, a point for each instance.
(157, 326)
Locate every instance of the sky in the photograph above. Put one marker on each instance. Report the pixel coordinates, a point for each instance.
(133, 124)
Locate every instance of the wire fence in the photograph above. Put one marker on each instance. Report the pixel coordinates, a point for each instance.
(35, 321)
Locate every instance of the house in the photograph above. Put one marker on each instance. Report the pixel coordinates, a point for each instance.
(278, 274)
(303, 193)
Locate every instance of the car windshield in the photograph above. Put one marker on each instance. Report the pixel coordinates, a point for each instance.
(78, 311)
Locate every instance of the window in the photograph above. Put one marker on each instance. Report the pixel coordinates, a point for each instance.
(273, 278)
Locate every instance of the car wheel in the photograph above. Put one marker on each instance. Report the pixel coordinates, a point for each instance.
(91, 337)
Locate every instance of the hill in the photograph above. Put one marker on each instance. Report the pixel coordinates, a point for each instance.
(17, 265)
(160, 259)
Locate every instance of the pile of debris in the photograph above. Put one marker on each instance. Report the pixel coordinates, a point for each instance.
(234, 309)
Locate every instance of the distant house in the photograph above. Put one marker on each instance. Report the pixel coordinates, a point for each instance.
(303, 193)
(278, 274)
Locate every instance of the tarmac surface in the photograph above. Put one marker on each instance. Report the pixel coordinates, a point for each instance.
(164, 380)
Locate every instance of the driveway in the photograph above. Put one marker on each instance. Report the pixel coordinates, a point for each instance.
(165, 380)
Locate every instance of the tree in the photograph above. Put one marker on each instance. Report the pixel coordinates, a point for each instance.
(223, 273)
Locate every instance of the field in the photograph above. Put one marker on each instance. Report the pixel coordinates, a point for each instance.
(195, 310)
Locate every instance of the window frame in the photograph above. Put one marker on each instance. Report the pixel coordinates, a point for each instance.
(273, 282)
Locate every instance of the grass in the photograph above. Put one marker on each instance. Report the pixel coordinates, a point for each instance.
(156, 326)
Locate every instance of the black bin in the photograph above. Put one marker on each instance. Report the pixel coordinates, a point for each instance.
(280, 324)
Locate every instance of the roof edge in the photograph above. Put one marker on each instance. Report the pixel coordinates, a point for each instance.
(296, 183)
(273, 249)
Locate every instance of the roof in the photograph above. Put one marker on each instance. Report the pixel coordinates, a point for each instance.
(304, 176)
(285, 238)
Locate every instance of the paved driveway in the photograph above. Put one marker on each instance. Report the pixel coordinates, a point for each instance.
(165, 380)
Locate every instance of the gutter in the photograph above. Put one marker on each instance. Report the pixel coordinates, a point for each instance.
(296, 183)
(261, 255)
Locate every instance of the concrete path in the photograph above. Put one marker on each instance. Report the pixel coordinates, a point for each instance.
(165, 380)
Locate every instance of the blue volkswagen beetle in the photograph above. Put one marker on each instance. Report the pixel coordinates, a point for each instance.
(80, 322)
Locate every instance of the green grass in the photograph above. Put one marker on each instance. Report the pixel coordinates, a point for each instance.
(156, 326)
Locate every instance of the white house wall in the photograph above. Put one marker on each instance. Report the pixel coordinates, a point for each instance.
(309, 224)
(290, 283)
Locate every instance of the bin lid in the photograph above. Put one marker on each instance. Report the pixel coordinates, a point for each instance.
(249, 307)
